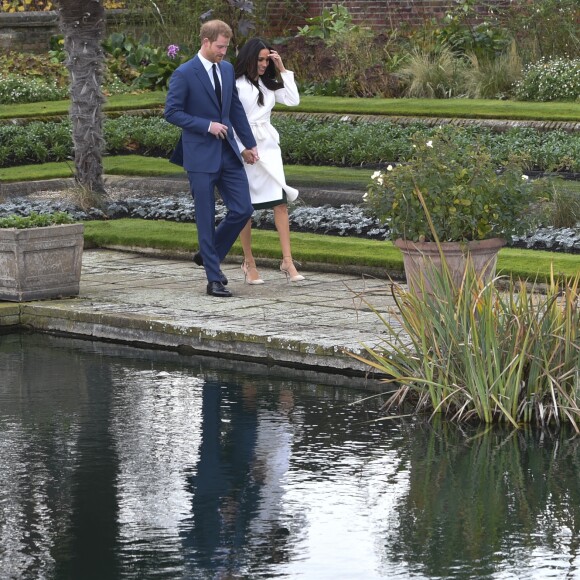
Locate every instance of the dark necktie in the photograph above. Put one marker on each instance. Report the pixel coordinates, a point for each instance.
(216, 82)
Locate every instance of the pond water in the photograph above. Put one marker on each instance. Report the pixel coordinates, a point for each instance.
(120, 463)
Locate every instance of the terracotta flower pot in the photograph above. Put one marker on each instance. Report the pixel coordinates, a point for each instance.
(420, 258)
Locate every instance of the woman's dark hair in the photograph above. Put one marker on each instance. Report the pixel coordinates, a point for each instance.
(247, 65)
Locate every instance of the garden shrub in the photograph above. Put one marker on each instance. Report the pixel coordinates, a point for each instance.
(550, 80)
(463, 32)
(544, 28)
(307, 142)
(331, 56)
(141, 65)
(35, 66)
(147, 136)
(18, 89)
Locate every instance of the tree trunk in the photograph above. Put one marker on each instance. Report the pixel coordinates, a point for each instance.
(83, 24)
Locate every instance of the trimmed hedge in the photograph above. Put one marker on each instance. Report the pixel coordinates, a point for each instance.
(304, 142)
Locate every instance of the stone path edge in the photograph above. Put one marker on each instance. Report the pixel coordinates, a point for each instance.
(322, 364)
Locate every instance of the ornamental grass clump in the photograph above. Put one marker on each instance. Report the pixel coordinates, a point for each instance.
(466, 195)
(482, 354)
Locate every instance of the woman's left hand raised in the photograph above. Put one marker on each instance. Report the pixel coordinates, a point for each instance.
(277, 60)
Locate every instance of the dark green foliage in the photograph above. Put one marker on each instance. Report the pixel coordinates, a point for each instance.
(146, 136)
(485, 39)
(545, 28)
(140, 64)
(304, 142)
(36, 220)
(459, 187)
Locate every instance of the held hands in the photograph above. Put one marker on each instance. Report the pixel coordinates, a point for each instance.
(218, 130)
(250, 156)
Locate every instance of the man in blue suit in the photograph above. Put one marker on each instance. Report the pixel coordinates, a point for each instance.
(202, 99)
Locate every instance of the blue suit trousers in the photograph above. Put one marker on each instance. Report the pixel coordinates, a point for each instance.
(232, 184)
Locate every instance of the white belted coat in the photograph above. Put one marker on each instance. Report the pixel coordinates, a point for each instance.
(266, 177)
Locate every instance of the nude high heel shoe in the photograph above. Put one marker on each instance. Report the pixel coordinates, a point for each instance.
(296, 278)
(246, 269)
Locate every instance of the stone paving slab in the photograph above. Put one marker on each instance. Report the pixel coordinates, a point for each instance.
(149, 301)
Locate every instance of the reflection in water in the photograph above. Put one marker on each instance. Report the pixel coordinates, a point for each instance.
(124, 463)
(497, 503)
(156, 426)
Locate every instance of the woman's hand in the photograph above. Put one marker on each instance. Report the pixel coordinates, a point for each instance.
(250, 156)
(277, 60)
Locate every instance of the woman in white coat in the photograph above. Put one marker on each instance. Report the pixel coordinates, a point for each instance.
(260, 88)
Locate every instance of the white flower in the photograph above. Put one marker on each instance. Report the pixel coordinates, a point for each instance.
(365, 196)
(525, 177)
(429, 144)
(390, 168)
(376, 175)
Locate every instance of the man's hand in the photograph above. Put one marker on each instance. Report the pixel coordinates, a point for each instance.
(218, 130)
(250, 156)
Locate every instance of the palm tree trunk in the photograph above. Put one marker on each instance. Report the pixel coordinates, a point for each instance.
(83, 24)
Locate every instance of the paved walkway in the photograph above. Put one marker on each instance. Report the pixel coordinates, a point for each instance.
(150, 301)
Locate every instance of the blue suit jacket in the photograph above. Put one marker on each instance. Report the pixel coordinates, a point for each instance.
(192, 103)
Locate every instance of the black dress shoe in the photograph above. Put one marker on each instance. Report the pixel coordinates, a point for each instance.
(197, 259)
(218, 289)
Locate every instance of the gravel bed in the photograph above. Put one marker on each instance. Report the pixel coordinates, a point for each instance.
(344, 220)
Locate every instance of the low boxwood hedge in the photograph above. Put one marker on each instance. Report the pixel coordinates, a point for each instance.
(304, 142)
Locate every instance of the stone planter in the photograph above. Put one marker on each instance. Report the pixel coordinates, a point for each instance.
(40, 263)
(419, 258)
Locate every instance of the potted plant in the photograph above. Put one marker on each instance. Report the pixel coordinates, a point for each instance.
(40, 257)
(450, 203)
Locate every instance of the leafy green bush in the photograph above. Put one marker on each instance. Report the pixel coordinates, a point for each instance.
(462, 33)
(35, 142)
(306, 142)
(35, 66)
(142, 65)
(333, 21)
(322, 142)
(550, 80)
(147, 136)
(19, 89)
(36, 220)
(545, 28)
(465, 196)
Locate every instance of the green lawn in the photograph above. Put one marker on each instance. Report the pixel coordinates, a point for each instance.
(135, 165)
(463, 108)
(312, 248)
(139, 166)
